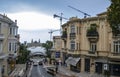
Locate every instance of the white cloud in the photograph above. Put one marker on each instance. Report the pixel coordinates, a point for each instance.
(43, 35)
(35, 20)
(33, 25)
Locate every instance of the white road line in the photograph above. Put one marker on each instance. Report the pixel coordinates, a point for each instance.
(39, 72)
(29, 74)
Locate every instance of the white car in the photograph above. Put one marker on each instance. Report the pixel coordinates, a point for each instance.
(35, 63)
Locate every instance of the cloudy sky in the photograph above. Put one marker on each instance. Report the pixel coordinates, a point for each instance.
(35, 17)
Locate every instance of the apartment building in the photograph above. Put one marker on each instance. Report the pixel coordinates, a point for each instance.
(90, 46)
(9, 39)
(56, 50)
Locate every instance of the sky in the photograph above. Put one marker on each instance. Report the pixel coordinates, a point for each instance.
(35, 17)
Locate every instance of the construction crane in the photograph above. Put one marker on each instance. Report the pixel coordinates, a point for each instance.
(85, 14)
(61, 17)
(51, 31)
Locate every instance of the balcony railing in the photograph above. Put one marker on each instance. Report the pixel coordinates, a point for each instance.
(3, 55)
(91, 52)
(92, 34)
(64, 35)
(116, 54)
(72, 35)
(2, 37)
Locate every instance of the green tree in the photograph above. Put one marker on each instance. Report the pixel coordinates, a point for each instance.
(23, 54)
(48, 45)
(113, 14)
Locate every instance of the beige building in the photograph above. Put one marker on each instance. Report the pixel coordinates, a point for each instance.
(9, 40)
(89, 46)
(57, 46)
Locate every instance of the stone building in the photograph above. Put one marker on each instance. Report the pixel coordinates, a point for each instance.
(89, 45)
(56, 50)
(9, 40)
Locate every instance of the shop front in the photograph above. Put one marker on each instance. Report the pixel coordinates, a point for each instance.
(115, 68)
(11, 62)
(101, 64)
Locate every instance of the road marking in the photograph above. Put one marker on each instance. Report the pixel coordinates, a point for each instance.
(39, 72)
(29, 74)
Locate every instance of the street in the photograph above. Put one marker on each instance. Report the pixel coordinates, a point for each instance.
(39, 71)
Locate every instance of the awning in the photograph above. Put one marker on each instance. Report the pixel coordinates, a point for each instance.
(72, 61)
(102, 60)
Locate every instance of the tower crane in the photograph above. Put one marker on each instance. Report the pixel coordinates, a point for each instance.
(51, 31)
(85, 14)
(61, 17)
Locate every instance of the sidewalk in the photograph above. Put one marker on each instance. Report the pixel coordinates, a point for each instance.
(18, 71)
(65, 72)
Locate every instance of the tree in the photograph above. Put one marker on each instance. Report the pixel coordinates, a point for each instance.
(113, 16)
(48, 45)
(23, 54)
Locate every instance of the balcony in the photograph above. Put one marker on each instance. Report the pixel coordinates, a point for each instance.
(3, 55)
(72, 35)
(64, 35)
(116, 54)
(2, 37)
(91, 52)
(92, 35)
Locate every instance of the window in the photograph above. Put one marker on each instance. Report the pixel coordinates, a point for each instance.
(72, 47)
(0, 28)
(13, 31)
(93, 47)
(72, 29)
(12, 46)
(1, 46)
(116, 46)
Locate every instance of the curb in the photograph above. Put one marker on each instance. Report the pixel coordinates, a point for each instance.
(29, 73)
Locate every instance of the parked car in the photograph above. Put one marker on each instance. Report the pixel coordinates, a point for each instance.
(51, 70)
(35, 63)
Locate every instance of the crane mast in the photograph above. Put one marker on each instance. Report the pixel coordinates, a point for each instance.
(51, 31)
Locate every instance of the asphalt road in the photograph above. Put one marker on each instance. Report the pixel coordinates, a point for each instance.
(39, 71)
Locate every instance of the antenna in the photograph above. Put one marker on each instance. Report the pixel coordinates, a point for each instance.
(85, 14)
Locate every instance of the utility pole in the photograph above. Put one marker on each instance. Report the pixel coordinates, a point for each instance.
(61, 18)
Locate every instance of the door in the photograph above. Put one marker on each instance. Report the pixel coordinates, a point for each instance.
(87, 65)
(98, 67)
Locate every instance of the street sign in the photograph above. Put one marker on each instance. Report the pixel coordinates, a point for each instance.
(57, 54)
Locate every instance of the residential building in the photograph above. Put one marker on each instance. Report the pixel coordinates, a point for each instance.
(9, 40)
(56, 50)
(90, 46)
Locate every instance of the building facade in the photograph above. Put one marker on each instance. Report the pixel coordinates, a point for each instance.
(90, 45)
(56, 50)
(9, 40)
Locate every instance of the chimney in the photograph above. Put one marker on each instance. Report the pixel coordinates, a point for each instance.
(16, 22)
